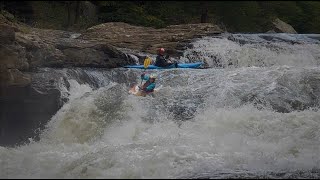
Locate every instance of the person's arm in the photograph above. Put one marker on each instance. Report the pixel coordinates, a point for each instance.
(151, 87)
(144, 76)
(163, 61)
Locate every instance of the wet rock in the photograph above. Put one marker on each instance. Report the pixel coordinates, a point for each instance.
(7, 34)
(271, 31)
(282, 27)
(24, 112)
(17, 78)
(148, 39)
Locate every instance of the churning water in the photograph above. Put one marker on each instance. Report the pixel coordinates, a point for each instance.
(253, 114)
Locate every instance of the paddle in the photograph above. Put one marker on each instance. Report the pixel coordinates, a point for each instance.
(146, 63)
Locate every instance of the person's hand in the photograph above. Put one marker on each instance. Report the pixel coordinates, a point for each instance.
(140, 88)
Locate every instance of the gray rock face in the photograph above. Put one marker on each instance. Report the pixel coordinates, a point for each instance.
(24, 111)
(7, 34)
(93, 55)
(147, 39)
(282, 27)
(12, 58)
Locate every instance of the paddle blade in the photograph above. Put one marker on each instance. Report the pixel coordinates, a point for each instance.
(147, 62)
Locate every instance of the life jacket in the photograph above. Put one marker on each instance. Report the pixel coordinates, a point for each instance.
(160, 61)
(145, 85)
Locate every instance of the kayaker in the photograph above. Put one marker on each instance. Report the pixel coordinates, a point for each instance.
(161, 61)
(150, 84)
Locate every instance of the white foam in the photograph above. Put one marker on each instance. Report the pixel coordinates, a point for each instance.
(223, 52)
(108, 133)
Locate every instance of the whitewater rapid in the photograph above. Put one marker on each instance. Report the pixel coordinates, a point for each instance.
(253, 114)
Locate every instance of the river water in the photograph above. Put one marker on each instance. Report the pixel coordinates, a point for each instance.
(254, 113)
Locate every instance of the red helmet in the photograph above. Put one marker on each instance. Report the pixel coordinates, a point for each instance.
(161, 51)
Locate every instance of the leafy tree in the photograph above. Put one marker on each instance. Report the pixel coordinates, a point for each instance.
(237, 16)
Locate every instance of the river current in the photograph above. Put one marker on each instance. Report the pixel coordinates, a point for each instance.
(253, 113)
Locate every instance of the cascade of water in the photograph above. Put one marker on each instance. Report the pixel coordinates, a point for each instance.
(261, 50)
(258, 117)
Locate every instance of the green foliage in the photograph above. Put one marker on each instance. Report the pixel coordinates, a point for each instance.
(240, 16)
(130, 13)
(8, 15)
(310, 22)
(236, 16)
(49, 15)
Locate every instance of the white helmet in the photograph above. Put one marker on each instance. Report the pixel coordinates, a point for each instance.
(153, 76)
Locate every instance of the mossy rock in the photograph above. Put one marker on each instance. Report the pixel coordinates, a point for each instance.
(8, 15)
